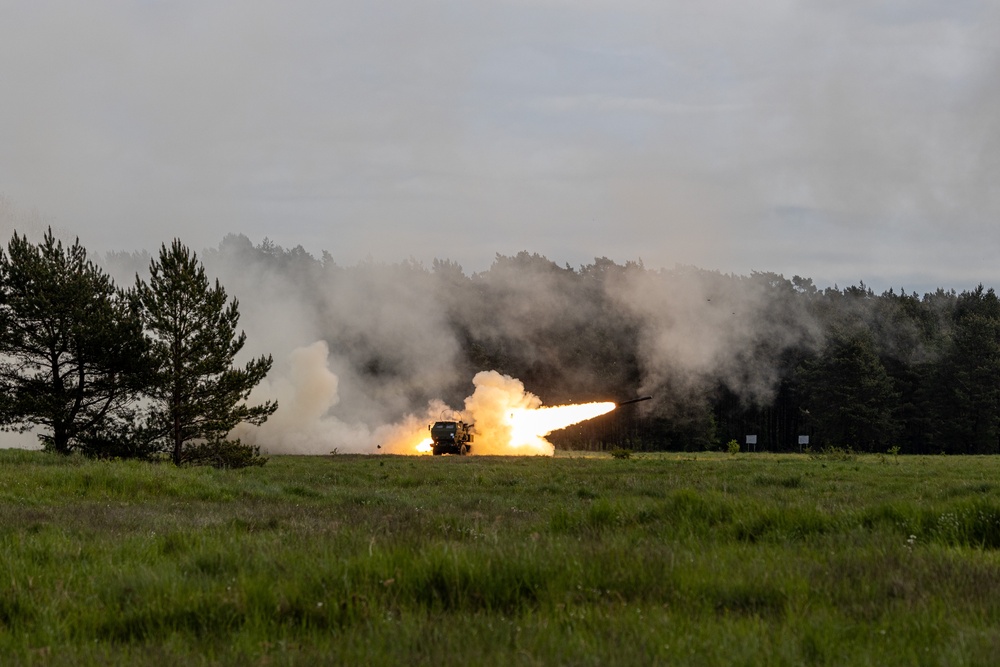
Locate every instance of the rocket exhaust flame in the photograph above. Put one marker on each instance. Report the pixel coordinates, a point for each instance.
(529, 427)
(508, 420)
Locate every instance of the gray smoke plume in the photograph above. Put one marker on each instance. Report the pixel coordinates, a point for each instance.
(366, 356)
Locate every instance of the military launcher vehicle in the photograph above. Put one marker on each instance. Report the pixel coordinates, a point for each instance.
(451, 437)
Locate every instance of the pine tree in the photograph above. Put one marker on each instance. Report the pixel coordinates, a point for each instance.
(851, 397)
(72, 353)
(198, 395)
(967, 407)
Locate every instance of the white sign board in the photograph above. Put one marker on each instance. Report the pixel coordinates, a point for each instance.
(803, 439)
(751, 440)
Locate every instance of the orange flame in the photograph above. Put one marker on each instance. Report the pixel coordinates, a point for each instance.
(523, 430)
(508, 420)
(528, 428)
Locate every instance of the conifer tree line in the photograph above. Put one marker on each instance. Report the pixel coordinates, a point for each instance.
(724, 355)
(140, 372)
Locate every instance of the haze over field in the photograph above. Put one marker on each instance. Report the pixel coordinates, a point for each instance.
(846, 141)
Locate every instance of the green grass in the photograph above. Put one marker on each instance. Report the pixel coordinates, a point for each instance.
(707, 559)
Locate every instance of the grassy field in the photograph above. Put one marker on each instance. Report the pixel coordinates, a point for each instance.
(704, 559)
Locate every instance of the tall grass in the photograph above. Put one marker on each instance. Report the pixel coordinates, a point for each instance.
(693, 559)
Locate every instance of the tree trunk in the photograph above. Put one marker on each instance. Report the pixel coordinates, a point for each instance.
(177, 431)
(178, 442)
(60, 438)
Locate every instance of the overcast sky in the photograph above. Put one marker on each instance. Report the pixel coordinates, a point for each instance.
(843, 141)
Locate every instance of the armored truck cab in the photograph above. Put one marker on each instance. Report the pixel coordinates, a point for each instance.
(451, 437)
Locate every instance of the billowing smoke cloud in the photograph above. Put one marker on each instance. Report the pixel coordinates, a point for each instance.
(509, 421)
(389, 342)
(490, 406)
(306, 391)
(700, 327)
(367, 356)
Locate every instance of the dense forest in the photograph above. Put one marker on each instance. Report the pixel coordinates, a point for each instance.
(724, 356)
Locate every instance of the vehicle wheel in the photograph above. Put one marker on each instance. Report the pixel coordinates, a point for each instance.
(436, 451)
(463, 451)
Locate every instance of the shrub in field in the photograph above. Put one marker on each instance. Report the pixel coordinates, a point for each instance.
(733, 447)
(106, 446)
(891, 452)
(620, 453)
(223, 454)
(119, 439)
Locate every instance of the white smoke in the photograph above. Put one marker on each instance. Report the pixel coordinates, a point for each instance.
(694, 328)
(306, 390)
(489, 407)
(508, 420)
(367, 356)
(700, 327)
